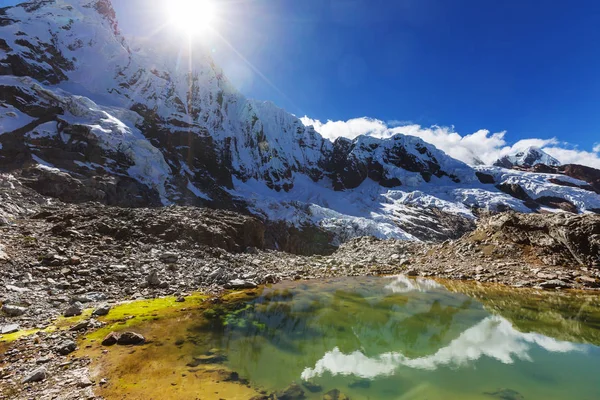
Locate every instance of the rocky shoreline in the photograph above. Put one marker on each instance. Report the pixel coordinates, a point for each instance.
(57, 259)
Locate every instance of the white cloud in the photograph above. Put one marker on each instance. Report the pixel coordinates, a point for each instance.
(482, 145)
(494, 338)
(349, 129)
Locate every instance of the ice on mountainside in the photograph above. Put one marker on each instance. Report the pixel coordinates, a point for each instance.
(166, 117)
(527, 158)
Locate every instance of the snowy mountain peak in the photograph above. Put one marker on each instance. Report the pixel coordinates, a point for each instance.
(527, 158)
(155, 128)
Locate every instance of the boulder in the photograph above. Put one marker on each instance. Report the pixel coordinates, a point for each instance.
(130, 338)
(73, 310)
(110, 339)
(102, 310)
(66, 347)
(12, 310)
(37, 375)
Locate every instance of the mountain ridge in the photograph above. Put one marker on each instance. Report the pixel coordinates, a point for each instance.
(144, 131)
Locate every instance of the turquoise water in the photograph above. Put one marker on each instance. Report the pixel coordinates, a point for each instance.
(398, 338)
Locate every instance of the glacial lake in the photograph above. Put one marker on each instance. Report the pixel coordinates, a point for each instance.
(389, 338)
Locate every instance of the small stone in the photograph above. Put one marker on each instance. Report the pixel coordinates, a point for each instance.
(239, 284)
(80, 326)
(554, 284)
(587, 279)
(13, 311)
(505, 394)
(37, 375)
(110, 339)
(17, 289)
(292, 392)
(312, 387)
(66, 347)
(207, 359)
(73, 310)
(180, 299)
(84, 382)
(169, 257)
(6, 329)
(335, 394)
(130, 338)
(89, 297)
(153, 279)
(101, 310)
(412, 272)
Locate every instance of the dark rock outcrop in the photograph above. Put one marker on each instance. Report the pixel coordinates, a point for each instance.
(571, 239)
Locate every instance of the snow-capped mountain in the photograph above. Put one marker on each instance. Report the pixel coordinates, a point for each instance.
(87, 116)
(527, 158)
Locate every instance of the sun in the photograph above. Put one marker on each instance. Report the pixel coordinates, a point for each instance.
(192, 16)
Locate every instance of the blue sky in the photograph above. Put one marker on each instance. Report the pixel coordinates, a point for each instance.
(528, 67)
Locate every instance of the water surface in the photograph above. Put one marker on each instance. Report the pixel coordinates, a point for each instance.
(398, 338)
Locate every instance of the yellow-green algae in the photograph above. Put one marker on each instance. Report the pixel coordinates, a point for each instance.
(158, 369)
(177, 332)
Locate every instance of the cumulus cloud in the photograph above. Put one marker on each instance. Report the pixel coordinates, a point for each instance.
(494, 338)
(482, 146)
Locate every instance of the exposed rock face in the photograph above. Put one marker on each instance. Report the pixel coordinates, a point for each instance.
(570, 239)
(215, 228)
(350, 162)
(587, 174)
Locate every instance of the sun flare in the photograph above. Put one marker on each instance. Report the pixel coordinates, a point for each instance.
(192, 16)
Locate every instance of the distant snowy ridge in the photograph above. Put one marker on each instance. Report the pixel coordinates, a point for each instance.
(150, 129)
(527, 158)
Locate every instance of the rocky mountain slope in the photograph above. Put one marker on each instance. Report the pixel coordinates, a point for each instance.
(87, 116)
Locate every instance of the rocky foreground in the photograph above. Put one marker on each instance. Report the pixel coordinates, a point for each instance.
(57, 259)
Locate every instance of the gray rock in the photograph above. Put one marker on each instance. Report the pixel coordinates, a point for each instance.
(38, 375)
(102, 309)
(84, 382)
(66, 347)
(335, 394)
(153, 279)
(80, 326)
(11, 328)
(130, 338)
(554, 284)
(111, 339)
(73, 310)
(169, 257)
(89, 297)
(17, 289)
(13, 311)
(240, 284)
